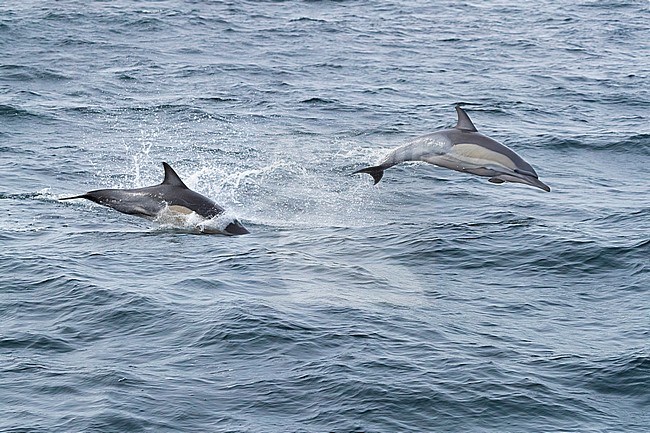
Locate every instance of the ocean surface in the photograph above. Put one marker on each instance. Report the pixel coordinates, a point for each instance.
(434, 301)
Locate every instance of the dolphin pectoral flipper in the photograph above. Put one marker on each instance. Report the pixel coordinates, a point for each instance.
(526, 173)
(377, 172)
(496, 180)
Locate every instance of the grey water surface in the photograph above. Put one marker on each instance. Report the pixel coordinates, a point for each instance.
(435, 301)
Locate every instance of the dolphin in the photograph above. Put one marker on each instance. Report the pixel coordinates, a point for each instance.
(462, 148)
(150, 201)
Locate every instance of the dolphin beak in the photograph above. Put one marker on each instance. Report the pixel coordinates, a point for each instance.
(539, 184)
(235, 228)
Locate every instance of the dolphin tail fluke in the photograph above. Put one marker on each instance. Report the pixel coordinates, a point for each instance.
(377, 172)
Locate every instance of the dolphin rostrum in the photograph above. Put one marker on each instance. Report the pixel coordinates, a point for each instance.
(151, 201)
(462, 148)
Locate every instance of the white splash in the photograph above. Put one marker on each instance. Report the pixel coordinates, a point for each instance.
(173, 219)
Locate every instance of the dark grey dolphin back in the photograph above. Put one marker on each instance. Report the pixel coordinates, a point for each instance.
(191, 200)
(176, 193)
(465, 125)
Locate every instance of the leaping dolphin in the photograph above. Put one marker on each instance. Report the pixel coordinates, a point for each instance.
(150, 201)
(462, 148)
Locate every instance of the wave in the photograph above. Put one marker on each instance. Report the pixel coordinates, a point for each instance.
(632, 144)
(359, 369)
(487, 245)
(30, 73)
(626, 375)
(10, 111)
(318, 101)
(34, 342)
(625, 217)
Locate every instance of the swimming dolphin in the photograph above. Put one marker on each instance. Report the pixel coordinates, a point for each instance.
(150, 201)
(462, 148)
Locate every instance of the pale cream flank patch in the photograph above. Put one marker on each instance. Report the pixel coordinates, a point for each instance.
(178, 216)
(180, 209)
(479, 154)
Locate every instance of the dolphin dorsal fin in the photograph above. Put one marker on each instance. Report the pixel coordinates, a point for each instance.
(171, 178)
(464, 122)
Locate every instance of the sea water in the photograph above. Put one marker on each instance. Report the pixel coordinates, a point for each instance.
(434, 301)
